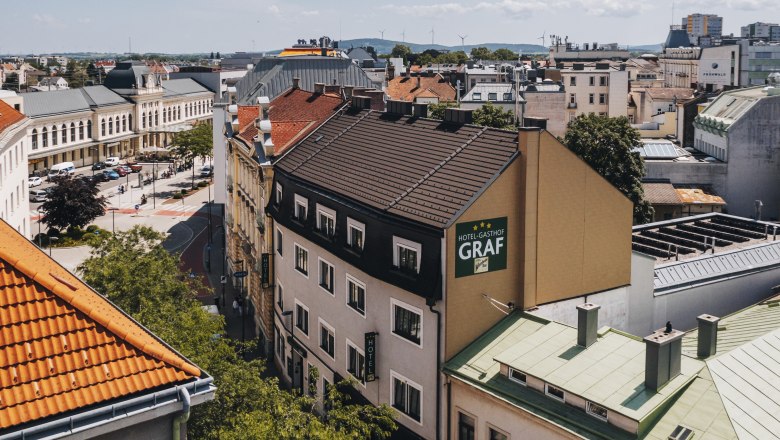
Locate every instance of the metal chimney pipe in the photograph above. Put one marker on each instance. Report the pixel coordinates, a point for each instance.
(708, 336)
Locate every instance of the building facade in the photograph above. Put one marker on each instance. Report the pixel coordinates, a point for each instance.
(14, 200)
(598, 88)
(764, 31)
(719, 68)
(680, 66)
(758, 59)
(701, 26)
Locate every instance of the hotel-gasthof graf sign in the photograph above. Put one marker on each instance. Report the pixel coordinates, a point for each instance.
(480, 246)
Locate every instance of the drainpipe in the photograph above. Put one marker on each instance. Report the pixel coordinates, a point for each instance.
(431, 303)
(182, 418)
(449, 408)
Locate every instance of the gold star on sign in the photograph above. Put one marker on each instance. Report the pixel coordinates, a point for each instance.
(482, 225)
(475, 227)
(488, 225)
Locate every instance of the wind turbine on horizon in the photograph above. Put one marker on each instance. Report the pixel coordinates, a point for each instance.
(462, 42)
(382, 34)
(544, 34)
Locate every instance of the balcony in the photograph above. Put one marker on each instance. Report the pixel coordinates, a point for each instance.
(571, 105)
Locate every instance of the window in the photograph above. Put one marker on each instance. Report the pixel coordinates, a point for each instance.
(279, 343)
(492, 96)
(35, 139)
(507, 96)
(407, 396)
(572, 80)
(356, 362)
(326, 276)
(302, 260)
(302, 318)
(596, 410)
(279, 237)
(466, 425)
(110, 125)
(681, 433)
(300, 208)
(102, 127)
(591, 98)
(603, 80)
(278, 198)
(124, 123)
(326, 403)
(327, 339)
(355, 232)
(602, 98)
(326, 221)
(53, 135)
(406, 321)
(81, 131)
(554, 392)
(72, 132)
(45, 137)
(89, 129)
(476, 96)
(406, 255)
(495, 434)
(356, 295)
(572, 98)
(280, 296)
(518, 376)
(592, 81)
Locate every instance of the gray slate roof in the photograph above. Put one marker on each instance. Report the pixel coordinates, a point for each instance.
(183, 86)
(272, 76)
(126, 75)
(57, 102)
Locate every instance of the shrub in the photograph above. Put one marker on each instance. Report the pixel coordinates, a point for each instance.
(74, 232)
(184, 190)
(202, 184)
(92, 228)
(177, 196)
(41, 239)
(53, 232)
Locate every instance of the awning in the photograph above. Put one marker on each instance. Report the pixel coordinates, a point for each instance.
(153, 149)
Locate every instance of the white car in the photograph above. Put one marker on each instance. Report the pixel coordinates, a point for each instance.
(111, 161)
(34, 181)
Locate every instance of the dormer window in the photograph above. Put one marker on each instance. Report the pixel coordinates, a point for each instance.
(355, 233)
(492, 96)
(278, 199)
(518, 376)
(597, 411)
(555, 392)
(326, 221)
(477, 96)
(301, 206)
(406, 255)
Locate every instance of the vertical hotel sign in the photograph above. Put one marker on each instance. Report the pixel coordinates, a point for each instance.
(480, 246)
(370, 356)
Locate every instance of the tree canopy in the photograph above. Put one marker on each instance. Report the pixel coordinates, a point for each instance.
(137, 274)
(72, 202)
(401, 51)
(488, 115)
(605, 144)
(192, 144)
(481, 53)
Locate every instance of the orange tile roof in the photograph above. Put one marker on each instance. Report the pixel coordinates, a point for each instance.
(63, 346)
(699, 196)
(293, 115)
(405, 88)
(8, 116)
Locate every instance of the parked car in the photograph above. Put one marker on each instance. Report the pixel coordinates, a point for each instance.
(121, 171)
(38, 195)
(135, 167)
(207, 171)
(111, 174)
(112, 161)
(34, 181)
(98, 166)
(100, 177)
(63, 169)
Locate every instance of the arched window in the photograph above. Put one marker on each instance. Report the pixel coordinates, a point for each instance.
(111, 125)
(130, 122)
(116, 125)
(143, 120)
(165, 115)
(54, 135)
(35, 139)
(156, 118)
(72, 132)
(64, 134)
(149, 122)
(124, 123)
(102, 127)
(45, 137)
(81, 130)
(89, 129)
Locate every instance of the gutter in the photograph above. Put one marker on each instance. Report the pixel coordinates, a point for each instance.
(117, 413)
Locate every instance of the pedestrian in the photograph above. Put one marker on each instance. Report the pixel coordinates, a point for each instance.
(235, 307)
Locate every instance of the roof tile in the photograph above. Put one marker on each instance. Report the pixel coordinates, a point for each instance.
(407, 88)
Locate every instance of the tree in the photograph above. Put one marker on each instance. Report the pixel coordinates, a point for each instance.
(192, 144)
(211, 57)
(490, 115)
(505, 55)
(401, 51)
(73, 202)
(219, 56)
(481, 53)
(457, 57)
(137, 274)
(606, 144)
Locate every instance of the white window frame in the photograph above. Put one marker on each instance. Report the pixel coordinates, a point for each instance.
(397, 303)
(409, 244)
(279, 245)
(354, 224)
(509, 375)
(295, 263)
(547, 392)
(321, 260)
(295, 318)
(588, 410)
(300, 200)
(280, 296)
(332, 331)
(396, 376)
(362, 382)
(279, 193)
(354, 280)
(328, 213)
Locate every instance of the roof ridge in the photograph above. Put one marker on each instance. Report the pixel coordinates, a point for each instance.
(436, 168)
(74, 294)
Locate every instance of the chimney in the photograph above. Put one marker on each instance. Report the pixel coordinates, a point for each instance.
(663, 356)
(708, 335)
(296, 83)
(420, 110)
(324, 51)
(348, 92)
(418, 81)
(319, 88)
(377, 99)
(587, 324)
(458, 116)
(332, 89)
(397, 107)
(361, 102)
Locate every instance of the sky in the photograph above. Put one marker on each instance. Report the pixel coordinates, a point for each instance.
(187, 26)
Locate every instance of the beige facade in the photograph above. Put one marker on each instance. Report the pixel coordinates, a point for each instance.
(600, 90)
(680, 66)
(550, 106)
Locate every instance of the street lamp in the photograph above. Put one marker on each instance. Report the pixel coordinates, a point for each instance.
(113, 220)
(51, 243)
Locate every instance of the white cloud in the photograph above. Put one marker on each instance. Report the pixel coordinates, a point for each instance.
(520, 8)
(45, 19)
(310, 13)
(273, 9)
(85, 20)
(428, 10)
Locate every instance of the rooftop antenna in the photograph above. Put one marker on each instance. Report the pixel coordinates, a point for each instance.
(382, 34)
(462, 41)
(544, 34)
(130, 45)
(403, 36)
(432, 35)
(672, 12)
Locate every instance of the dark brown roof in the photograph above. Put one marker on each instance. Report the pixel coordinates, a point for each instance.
(661, 194)
(420, 169)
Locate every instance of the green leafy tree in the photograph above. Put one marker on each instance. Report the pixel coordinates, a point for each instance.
(192, 144)
(401, 51)
(436, 111)
(73, 202)
(606, 144)
(136, 273)
(457, 57)
(481, 53)
(505, 54)
(490, 115)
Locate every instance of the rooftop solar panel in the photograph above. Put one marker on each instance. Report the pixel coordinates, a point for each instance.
(658, 151)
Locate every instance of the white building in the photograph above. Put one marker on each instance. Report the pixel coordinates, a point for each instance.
(758, 59)
(14, 201)
(764, 31)
(51, 83)
(719, 67)
(680, 66)
(598, 88)
(703, 25)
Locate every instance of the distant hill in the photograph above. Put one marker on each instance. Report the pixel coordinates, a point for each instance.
(386, 46)
(647, 48)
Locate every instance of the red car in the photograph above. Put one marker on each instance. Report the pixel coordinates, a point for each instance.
(134, 167)
(122, 171)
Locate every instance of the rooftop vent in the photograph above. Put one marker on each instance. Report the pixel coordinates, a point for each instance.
(296, 84)
(708, 335)
(361, 102)
(578, 66)
(458, 116)
(319, 88)
(420, 110)
(587, 324)
(398, 107)
(663, 356)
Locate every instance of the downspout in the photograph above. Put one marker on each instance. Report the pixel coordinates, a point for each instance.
(182, 418)
(431, 303)
(449, 408)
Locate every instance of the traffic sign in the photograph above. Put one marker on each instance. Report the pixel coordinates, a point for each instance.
(240, 274)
